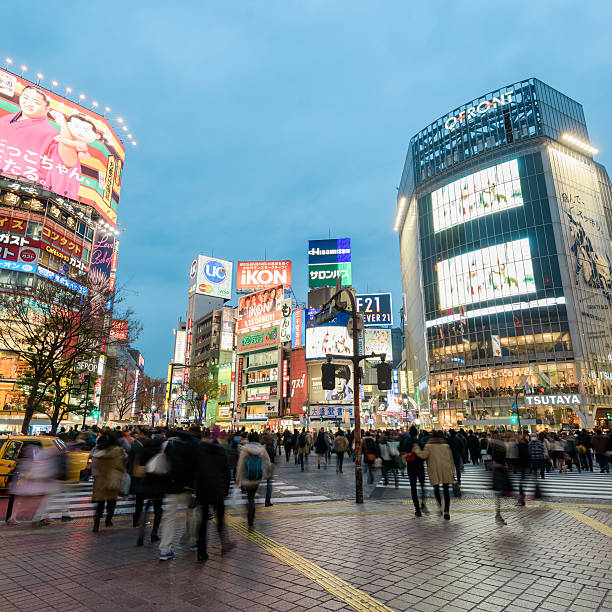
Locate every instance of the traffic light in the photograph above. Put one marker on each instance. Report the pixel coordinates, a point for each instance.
(328, 376)
(514, 419)
(383, 376)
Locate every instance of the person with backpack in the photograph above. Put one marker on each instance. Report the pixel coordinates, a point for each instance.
(254, 465)
(180, 452)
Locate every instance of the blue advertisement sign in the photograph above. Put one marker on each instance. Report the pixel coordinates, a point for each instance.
(376, 308)
(61, 280)
(340, 320)
(335, 250)
(16, 265)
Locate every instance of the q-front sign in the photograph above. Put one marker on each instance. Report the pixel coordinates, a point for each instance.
(552, 400)
(480, 109)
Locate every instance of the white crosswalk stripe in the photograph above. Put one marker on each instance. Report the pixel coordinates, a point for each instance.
(475, 479)
(78, 497)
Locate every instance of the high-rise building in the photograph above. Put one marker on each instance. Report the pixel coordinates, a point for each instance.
(504, 222)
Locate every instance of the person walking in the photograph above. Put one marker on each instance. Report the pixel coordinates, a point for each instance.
(474, 447)
(440, 467)
(287, 443)
(295, 440)
(301, 448)
(599, 443)
(321, 446)
(415, 467)
(537, 455)
(341, 446)
(253, 466)
(455, 443)
(268, 440)
(371, 452)
(180, 452)
(108, 467)
(388, 453)
(212, 485)
(584, 449)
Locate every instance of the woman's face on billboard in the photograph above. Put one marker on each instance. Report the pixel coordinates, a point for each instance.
(81, 130)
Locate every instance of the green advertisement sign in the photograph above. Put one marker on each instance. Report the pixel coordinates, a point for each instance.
(325, 275)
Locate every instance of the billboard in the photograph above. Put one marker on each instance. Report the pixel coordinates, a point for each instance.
(479, 194)
(494, 272)
(227, 330)
(260, 309)
(224, 380)
(64, 147)
(377, 341)
(119, 329)
(329, 260)
(298, 328)
(331, 337)
(343, 391)
(258, 339)
(376, 308)
(180, 344)
(298, 389)
(257, 275)
(210, 276)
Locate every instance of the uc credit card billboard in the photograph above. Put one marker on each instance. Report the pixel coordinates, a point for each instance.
(211, 276)
(329, 260)
(64, 147)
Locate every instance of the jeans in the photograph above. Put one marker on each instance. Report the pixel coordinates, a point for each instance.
(586, 460)
(458, 466)
(436, 489)
(414, 476)
(251, 504)
(220, 512)
(339, 461)
(300, 456)
(389, 466)
(287, 452)
(269, 491)
(604, 464)
(173, 500)
(538, 465)
(370, 469)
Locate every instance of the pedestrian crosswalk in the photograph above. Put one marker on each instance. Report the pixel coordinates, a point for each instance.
(475, 479)
(77, 498)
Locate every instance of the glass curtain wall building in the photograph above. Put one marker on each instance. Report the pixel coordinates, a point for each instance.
(504, 221)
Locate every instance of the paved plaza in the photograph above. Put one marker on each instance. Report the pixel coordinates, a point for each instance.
(330, 555)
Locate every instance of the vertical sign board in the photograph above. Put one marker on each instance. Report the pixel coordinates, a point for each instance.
(298, 335)
(329, 260)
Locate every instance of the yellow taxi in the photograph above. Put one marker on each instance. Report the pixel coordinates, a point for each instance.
(12, 446)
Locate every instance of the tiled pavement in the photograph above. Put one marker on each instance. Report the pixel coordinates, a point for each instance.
(544, 559)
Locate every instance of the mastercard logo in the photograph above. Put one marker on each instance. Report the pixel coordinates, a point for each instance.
(205, 288)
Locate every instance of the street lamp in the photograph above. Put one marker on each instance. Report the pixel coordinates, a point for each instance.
(306, 410)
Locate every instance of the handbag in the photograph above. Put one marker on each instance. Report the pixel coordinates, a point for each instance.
(378, 462)
(410, 457)
(370, 457)
(158, 464)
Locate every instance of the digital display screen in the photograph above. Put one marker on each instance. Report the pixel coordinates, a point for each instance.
(479, 194)
(495, 272)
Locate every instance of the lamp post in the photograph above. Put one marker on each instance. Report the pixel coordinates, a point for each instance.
(306, 410)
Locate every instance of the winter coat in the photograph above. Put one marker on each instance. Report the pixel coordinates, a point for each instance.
(181, 453)
(440, 464)
(408, 445)
(599, 444)
(212, 473)
(151, 486)
(108, 468)
(341, 444)
(252, 449)
(321, 444)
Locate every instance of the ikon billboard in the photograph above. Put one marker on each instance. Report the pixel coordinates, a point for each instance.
(63, 147)
(256, 275)
(260, 309)
(210, 276)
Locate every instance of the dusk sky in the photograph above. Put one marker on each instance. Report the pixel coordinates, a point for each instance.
(262, 124)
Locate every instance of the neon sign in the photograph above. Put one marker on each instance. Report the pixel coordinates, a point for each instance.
(482, 108)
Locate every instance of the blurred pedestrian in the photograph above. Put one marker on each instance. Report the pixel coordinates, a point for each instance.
(321, 446)
(341, 446)
(415, 468)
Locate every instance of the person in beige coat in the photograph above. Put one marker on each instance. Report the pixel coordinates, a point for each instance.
(440, 467)
(108, 467)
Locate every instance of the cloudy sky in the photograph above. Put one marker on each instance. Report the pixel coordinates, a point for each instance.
(261, 124)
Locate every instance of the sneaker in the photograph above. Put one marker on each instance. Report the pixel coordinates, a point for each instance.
(446, 516)
(418, 513)
(166, 556)
(268, 504)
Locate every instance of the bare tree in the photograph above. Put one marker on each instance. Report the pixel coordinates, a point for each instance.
(51, 328)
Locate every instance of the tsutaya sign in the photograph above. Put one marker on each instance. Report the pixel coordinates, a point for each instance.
(482, 108)
(552, 400)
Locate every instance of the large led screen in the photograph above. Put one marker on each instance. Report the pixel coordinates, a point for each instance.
(483, 193)
(64, 147)
(495, 272)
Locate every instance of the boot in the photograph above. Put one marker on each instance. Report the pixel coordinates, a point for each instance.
(96, 526)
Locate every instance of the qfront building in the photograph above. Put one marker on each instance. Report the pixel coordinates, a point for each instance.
(504, 221)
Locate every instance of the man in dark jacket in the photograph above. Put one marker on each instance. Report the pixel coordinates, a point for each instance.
(599, 442)
(474, 447)
(586, 458)
(212, 487)
(415, 467)
(181, 454)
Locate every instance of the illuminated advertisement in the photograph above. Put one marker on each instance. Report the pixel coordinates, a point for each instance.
(260, 309)
(298, 390)
(329, 260)
(210, 276)
(377, 341)
(256, 412)
(342, 392)
(227, 330)
(59, 145)
(119, 329)
(258, 339)
(224, 380)
(479, 194)
(298, 329)
(61, 280)
(179, 346)
(376, 308)
(15, 265)
(494, 272)
(330, 338)
(101, 261)
(257, 275)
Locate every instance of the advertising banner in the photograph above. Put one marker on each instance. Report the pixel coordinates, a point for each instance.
(298, 393)
(298, 328)
(119, 329)
(210, 276)
(260, 309)
(330, 338)
(24, 254)
(59, 145)
(329, 260)
(16, 265)
(227, 330)
(60, 280)
(180, 343)
(332, 412)
(341, 394)
(377, 341)
(256, 412)
(101, 261)
(224, 380)
(257, 275)
(285, 325)
(258, 339)
(376, 308)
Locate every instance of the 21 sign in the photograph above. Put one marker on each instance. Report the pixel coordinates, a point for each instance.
(376, 308)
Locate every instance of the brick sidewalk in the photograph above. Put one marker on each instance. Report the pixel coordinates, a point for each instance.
(328, 556)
